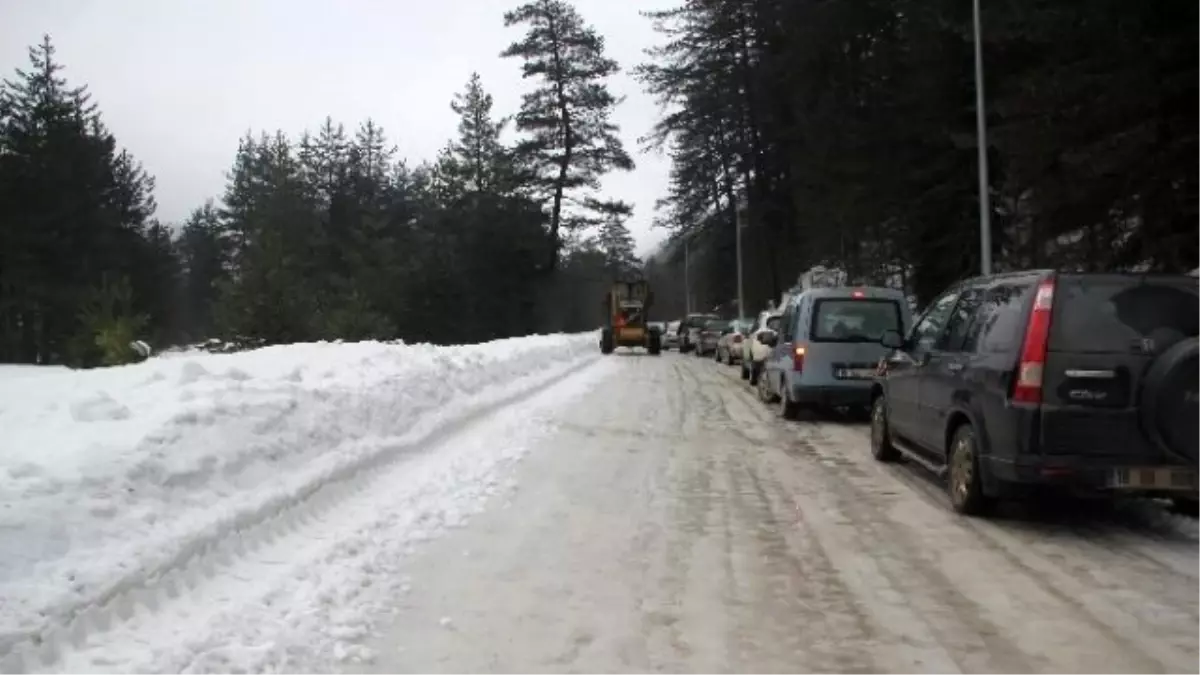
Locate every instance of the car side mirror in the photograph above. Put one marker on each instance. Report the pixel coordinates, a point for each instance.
(768, 338)
(891, 339)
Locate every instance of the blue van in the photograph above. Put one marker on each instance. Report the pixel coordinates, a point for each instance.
(827, 347)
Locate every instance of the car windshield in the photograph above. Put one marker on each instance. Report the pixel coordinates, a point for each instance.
(700, 320)
(854, 320)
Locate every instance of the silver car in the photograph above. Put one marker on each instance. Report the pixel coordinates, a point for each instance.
(729, 345)
(671, 336)
(827, 348)
(689, 331)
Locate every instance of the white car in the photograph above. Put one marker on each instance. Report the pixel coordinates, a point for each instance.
(754, 352)
(729, 345)
(671, 337)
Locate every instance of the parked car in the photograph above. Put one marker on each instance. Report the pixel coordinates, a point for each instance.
(827, 348)
(754, 350)
(1081, 382)
(706, 342)
(729, 344)
(671, 336)
(689, 332)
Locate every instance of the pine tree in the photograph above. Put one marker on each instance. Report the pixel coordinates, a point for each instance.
(278, 272)
(571, 140)
(74, 213)
(205, 254)
(477, 151)
(495, 232)
(155, 273)
(615, 240)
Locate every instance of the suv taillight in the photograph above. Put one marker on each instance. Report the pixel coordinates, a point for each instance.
(1028, 386)
(798, 358)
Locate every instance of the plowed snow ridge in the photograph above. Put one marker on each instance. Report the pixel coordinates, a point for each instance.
(117, 484)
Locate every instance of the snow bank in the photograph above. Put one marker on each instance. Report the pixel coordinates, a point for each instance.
(110, 478)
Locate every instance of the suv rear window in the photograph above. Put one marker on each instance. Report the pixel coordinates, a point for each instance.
(854, 320)
(1114, 314)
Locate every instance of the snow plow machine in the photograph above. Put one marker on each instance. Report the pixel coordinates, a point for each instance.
(626, 306)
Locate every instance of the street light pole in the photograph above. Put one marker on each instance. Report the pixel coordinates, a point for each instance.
(739, 223)
(985, 205)
(687, 268)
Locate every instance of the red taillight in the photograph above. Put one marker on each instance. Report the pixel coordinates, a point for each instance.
(1028, 386)
(798, 358)
(858, 294)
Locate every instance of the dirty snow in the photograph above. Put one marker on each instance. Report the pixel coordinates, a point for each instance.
(670, 522)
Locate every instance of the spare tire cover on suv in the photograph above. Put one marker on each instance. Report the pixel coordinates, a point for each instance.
(1170, 412)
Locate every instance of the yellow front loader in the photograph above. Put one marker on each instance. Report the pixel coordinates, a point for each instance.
(626, 306)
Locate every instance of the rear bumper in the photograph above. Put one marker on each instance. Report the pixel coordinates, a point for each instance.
(1085, 475)
(832, 396)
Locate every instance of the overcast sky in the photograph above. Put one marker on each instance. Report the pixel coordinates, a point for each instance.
(179, 81)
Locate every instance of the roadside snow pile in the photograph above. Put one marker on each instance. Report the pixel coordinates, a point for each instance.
(110, 478)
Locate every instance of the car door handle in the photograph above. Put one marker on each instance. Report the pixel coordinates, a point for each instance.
(954, 367)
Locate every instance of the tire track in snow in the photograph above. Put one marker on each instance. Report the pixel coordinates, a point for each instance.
(856, 478)
(1109, 588)
(824, 591)
(206, 556)
(817, 521)
(865, 515)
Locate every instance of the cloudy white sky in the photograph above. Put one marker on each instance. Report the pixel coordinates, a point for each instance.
(179, 81)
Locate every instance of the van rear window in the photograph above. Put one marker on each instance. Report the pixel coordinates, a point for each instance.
(1116, 315)
(857, 320)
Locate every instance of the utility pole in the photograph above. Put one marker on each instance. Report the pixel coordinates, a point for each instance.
(687, 270)
(985, 202)
(739, 224)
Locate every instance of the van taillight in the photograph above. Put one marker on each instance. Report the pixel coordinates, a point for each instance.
(1031, 367)
(798, 358)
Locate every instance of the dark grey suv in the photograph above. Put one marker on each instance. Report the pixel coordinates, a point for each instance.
(1081, 382)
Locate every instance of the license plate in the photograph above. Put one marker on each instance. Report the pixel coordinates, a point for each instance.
(854, 373)
(1153, 478)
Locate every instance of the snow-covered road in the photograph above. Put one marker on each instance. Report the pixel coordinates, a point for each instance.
(668, 522)
(648, 514)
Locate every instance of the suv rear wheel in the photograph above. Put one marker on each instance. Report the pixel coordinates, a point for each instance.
(965, 483)
(788, 409)
(881, 444)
